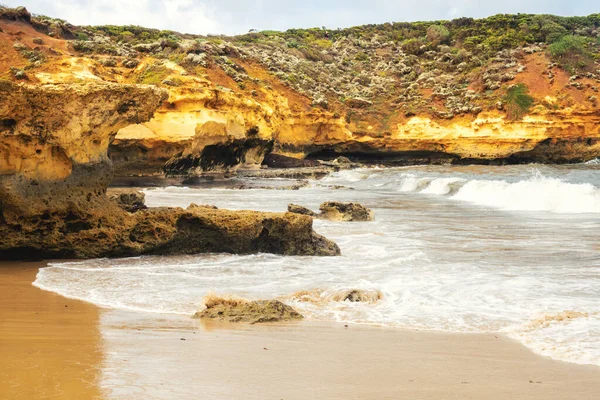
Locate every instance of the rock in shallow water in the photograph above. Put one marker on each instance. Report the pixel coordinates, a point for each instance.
(296, 209)
(253, 312)
(334, 211)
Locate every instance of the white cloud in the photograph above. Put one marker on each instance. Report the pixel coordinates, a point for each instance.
(238, 16)
(186, 16)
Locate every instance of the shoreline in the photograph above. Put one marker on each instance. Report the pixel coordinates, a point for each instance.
(84, 351)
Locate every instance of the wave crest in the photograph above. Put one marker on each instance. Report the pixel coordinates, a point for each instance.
(538, 193)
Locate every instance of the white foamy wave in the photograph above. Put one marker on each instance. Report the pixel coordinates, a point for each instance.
(595, 161)
(443, 185)
(350, 175)
(567, 336)
(537, 194)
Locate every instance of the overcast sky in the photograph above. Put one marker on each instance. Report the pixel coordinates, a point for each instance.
(238, 16)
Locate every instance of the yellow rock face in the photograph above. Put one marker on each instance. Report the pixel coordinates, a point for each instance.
(205, 106)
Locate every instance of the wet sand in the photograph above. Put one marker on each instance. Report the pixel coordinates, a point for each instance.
(49, 345)
(83, 352)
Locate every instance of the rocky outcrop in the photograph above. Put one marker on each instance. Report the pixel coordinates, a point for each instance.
(54, 140)
(54, 173)
(296, 209)
(144, 157)
(281, 161)
(130, 200)
(336, 211)
(252, 312)
(224, 156)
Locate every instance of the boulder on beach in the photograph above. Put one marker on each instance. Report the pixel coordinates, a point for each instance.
(252, 312)
(335, 211)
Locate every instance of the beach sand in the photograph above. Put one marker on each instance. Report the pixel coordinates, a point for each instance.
(49, 345)
(82, 352)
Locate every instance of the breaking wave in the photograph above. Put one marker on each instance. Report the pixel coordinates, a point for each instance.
(536, 194)
(595, 161)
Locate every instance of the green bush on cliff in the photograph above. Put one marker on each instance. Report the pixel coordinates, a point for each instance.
(572, 53)
(438, 34)
(153, 75)
(414, 46)
(517, 101)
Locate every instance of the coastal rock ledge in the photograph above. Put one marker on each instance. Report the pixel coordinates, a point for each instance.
(54, 174)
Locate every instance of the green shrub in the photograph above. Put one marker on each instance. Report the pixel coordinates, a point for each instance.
(82, 36)
(413, 46)
(572, 53)
(438, 34)
(362, 56)
(517, 101)
(153, 75)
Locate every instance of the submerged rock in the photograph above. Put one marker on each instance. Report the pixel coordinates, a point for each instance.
(335, 211)
(130, 200)
(253, 312)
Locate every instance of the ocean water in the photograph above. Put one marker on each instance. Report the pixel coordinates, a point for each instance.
(514, 250)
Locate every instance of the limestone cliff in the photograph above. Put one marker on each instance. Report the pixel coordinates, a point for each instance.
(407, 93)
(54, 172)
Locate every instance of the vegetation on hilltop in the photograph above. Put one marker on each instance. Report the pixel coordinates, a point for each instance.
(440, 68)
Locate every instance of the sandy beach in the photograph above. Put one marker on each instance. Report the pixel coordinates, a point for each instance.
(58, 348)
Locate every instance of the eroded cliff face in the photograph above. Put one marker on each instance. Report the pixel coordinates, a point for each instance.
(366, 99)
(53, 141)
(54, 172)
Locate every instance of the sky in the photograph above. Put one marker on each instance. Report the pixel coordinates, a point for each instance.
(238, 16)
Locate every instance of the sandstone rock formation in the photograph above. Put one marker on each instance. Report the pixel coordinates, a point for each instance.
(296, 209)
(336, 211)
(145, 157)
(366, 93)
(253, 312)
(130, 200)
(54, 173)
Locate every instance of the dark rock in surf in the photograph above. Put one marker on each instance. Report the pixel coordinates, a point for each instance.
(335, 211)
(296, 209)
